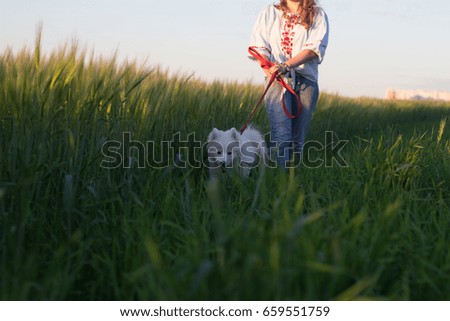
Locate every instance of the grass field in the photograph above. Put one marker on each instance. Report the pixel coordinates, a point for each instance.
(72, 230)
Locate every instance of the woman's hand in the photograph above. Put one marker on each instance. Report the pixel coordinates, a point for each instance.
(268, 74)
(279, 68)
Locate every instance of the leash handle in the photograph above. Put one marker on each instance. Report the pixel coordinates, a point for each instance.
(264, 63)
(267, 64)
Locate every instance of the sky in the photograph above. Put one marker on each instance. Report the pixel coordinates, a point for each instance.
(373, 45)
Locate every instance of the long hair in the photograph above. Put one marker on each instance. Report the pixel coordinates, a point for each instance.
(306, 11)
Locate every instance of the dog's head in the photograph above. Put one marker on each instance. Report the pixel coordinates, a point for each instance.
(223, 147)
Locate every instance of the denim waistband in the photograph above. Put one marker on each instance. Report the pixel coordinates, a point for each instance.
(297, 76)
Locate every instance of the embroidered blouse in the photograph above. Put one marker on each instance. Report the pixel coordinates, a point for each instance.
(282, 38)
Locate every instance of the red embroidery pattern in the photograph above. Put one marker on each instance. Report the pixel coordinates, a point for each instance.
(287, 36)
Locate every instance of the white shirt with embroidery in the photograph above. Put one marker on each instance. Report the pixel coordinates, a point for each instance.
(282, 38)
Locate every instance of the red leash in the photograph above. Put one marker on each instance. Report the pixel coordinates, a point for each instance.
(266, 64)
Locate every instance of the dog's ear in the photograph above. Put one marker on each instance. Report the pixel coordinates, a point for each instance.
(235, 134)
(213, 135)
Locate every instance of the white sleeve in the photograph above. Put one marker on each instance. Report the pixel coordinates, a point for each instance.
(317, 40)
(259, 37)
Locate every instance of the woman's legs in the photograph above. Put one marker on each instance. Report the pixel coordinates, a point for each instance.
(309, 94)
(286, 133)
(280, 126)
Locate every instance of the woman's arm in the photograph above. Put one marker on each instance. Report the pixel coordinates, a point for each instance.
(301, 58)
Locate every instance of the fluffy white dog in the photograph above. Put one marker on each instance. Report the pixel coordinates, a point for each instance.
(228, 149)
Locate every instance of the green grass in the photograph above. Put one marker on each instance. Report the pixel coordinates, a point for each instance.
(72, 230)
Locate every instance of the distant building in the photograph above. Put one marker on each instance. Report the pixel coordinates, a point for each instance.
(418, 94)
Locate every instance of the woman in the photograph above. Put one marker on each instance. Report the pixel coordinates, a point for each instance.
(294, 35)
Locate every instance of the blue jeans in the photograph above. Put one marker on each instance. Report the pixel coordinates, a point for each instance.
(288, 135)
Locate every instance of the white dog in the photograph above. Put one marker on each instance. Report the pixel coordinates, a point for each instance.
(227, 149)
